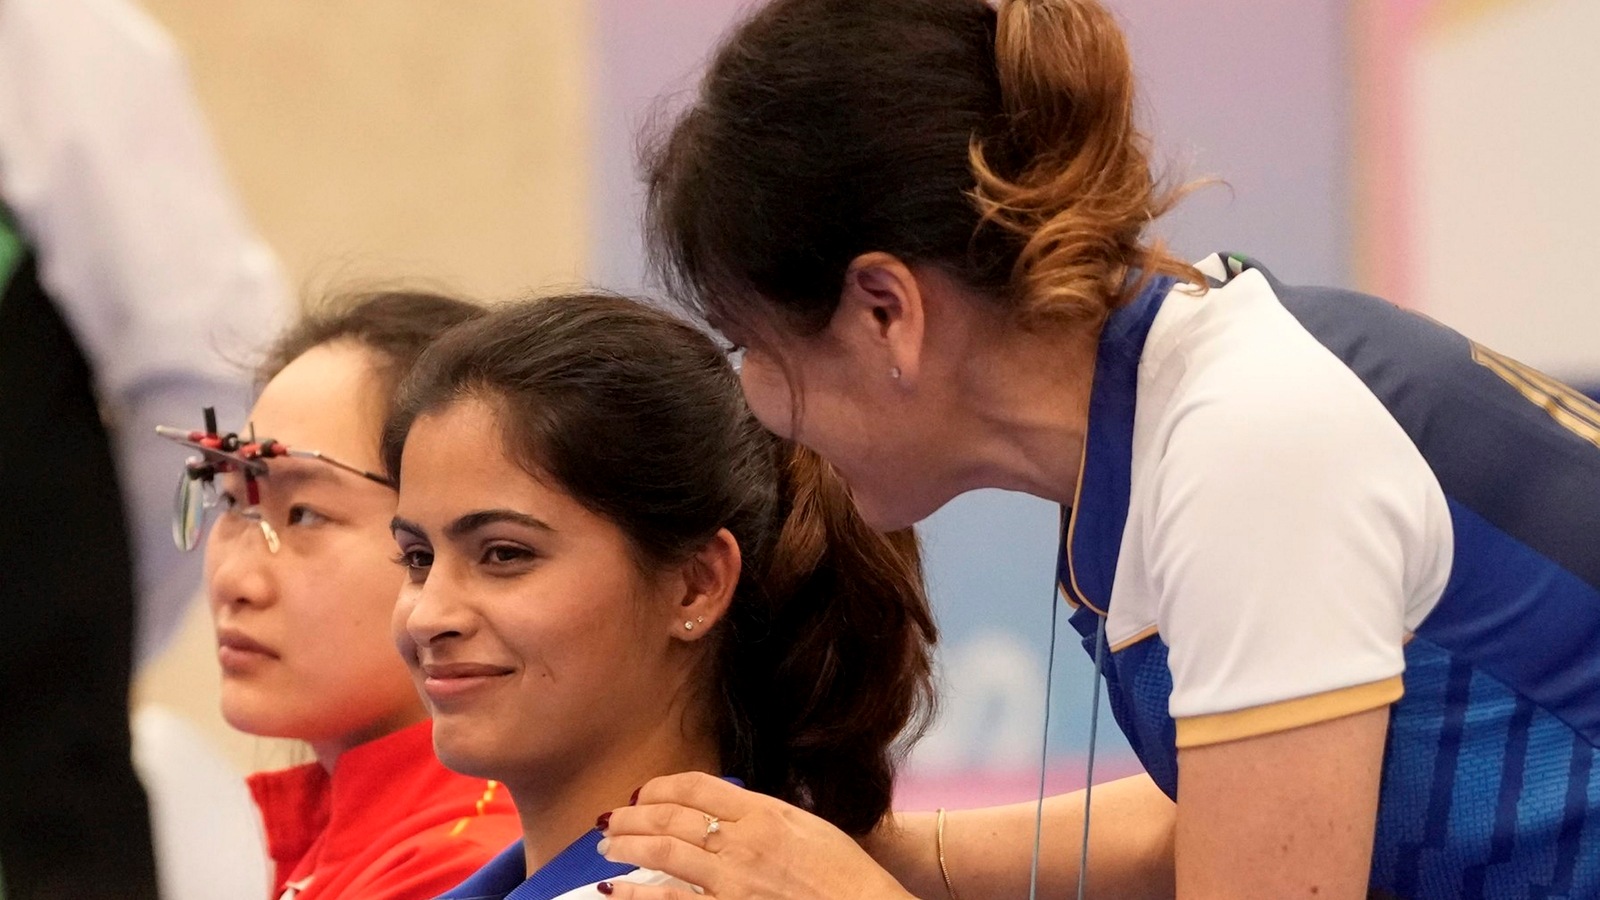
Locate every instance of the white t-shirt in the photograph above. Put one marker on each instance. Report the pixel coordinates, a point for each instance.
(107, 168)
(1283, 567)
(1301, 503)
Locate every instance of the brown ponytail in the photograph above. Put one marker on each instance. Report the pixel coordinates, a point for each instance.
(819, 674)
(828, 681)
(999, 147)
(1083, 196)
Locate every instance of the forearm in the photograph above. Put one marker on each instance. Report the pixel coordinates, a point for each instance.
(988, 852)
(1287, 814)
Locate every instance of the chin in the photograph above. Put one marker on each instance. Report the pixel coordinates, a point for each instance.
(240, 722)
(239, 711)
(259, 719)
(464, 753)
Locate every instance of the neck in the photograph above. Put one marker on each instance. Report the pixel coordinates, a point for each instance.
(328, 751)
(558, 804)
(1022, 410)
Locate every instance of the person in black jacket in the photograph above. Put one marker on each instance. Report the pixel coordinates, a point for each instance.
(125, 267)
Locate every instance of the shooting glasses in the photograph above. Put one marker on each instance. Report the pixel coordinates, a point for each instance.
(220, 454)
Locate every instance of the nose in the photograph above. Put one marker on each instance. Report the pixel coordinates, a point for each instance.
(238, 566)
(432, 612)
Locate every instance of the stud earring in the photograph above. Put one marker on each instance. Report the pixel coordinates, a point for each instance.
(689, 626)
(895, 373)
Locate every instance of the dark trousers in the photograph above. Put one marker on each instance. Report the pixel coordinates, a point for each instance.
(73, 817)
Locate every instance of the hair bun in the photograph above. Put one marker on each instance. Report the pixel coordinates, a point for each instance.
(1082, 191)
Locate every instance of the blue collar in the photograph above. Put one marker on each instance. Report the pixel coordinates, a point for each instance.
(505, 877)
(1093, 541)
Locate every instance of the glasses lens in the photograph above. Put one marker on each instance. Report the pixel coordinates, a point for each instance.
(189, 512)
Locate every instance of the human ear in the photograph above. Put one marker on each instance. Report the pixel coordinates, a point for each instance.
(709, 579)
(881, 314)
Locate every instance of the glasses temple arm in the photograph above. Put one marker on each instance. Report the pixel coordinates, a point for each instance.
(315, 454)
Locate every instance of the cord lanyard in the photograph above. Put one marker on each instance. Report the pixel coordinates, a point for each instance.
(1044, 751)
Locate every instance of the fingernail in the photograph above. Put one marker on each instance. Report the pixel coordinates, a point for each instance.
(602, 822)
(605, 887)
(634, 800)
(603, 846)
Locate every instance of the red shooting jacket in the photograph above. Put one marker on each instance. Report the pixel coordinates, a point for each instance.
(389, 823)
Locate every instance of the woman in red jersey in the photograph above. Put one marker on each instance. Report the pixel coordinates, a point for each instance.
(301, 582)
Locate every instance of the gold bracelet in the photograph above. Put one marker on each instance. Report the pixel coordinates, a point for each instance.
(938, 843)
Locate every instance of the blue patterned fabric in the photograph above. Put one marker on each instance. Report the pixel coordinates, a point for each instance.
(1490, 782)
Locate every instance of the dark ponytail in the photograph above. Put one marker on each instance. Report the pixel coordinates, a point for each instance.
(822, 679)
(819, 674)
(998, 146)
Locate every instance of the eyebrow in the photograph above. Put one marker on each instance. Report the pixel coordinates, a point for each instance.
(473, 521)
(286, 476)
(290, 476)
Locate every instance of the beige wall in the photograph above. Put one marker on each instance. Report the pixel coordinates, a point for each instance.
(385, 139)
(402, 137)
(1505, 139)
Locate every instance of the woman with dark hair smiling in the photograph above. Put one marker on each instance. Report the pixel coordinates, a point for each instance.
(616, 573)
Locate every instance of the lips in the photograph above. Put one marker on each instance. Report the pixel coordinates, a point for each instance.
(238, 640)
(463, 670)
(237, 651)
(449, 683)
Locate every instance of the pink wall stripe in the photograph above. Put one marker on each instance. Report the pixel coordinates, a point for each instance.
(1385, 34)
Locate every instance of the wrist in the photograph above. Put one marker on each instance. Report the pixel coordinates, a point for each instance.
(939, 821)
(905, 845)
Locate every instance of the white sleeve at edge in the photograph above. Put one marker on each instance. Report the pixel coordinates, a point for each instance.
(107, 165)
(1278, 548)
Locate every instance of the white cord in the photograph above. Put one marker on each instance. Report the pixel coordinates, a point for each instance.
(1044, 751)
(1094, 735)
